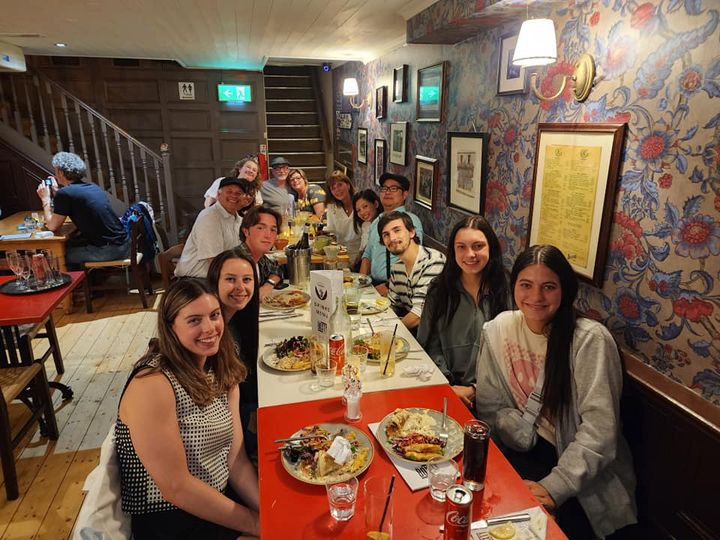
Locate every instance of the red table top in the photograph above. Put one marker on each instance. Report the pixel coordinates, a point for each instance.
(36, 307)
(292, 509)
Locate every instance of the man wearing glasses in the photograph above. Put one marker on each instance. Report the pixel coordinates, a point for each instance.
(376, 259)
(275, 192)
(216, 228)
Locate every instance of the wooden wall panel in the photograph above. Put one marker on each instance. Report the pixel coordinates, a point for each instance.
(189, 120)
(231, 149)
(193, 148)
(134, 121)
(132, 91)
(238, 122)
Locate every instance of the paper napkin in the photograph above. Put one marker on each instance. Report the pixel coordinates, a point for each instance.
(424, 372)
(18, 236)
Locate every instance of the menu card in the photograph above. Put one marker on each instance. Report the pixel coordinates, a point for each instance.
(415, 476)
(325, 287)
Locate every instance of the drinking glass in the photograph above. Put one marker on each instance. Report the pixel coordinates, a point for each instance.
(441, 475)
(325, 375)
(384, 343)
(475, 454)
(318, 353)
(25, 266)
(358, 356)
(376, 495)
(53, 263)
(351, 298)
(13, 259)
(341, 498)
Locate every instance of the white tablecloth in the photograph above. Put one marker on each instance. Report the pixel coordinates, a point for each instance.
(278, 388)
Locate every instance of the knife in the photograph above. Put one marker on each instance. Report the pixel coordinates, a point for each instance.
(485, 523)
(279, 318)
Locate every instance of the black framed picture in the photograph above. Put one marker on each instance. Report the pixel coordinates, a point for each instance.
(381, 102)
(400, 83)
(430, 93)
(362, 145)
(511, 79)
(344, 120)
(426, 175)
(398, 142)
(379, 159)
(467, 171)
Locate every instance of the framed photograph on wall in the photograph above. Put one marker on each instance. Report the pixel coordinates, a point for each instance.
(398, 142)
(381, 102)
(344, 120)
(576, 171)
(400, 83)
(511, 79)
(430, 93)
(426, 176)
(467, 171)
(362, 145)
(379, 159)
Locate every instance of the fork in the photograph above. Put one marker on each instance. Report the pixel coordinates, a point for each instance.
(443, 433)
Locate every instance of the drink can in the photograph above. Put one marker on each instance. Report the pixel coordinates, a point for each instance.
(336, 350)
(475, 452)
(458, 512)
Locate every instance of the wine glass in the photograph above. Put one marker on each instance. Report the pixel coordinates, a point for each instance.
(25, 264)
(13, 259)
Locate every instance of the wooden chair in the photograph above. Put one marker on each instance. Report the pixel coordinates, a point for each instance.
(139, 268)
(168, 261)
(29, 384)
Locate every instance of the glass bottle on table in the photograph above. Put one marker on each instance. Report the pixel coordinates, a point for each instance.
(340, 325)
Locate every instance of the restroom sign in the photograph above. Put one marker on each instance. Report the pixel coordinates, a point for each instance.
(186, 90)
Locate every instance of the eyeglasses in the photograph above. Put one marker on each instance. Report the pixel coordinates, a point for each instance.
(391, 189)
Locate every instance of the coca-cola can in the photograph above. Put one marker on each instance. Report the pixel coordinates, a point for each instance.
(336, 350)
(458, 512)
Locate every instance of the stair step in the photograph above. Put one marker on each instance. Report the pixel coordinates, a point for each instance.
(295, 145)
(289, 131)
(292, 118)
(290, 105)
(275, 81)
(316, 174)
(286, 70)
(299, 159)
(285, 92)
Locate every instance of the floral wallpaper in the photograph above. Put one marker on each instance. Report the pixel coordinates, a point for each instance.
(659, 72)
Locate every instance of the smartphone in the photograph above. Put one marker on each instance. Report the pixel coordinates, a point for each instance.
(281, 285)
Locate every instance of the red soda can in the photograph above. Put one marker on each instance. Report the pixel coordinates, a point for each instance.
(336, 347)
(458, 512)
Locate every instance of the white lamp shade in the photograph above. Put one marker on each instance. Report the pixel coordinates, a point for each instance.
(350, 87)
(536, 44)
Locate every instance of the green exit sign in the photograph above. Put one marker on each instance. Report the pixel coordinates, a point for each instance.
(234, 92)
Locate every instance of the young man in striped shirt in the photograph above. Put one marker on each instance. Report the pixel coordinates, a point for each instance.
(416, 267)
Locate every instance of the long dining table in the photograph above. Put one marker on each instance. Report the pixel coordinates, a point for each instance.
(291, 508)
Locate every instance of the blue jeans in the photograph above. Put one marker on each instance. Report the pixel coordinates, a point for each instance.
(79, 253)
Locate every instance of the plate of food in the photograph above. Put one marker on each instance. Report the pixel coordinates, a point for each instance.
(362, 279)
(311, 460)
(286, 299)
(373, 306)
(402, 347)
(292, 354)
(411, 435)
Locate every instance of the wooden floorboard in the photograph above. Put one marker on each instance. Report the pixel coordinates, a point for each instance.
(99, 350)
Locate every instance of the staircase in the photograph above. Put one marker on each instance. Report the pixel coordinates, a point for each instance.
(295, 120)
(40, 118)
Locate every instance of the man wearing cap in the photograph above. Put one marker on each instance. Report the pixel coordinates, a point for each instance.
(275, 192)
(102, 237)
(376, 259)
(216, 229)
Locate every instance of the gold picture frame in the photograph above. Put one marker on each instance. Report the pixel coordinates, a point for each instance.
(576, 171)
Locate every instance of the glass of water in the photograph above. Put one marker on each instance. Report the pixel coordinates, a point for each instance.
(324, 375)
(341, 498)
(441, 475)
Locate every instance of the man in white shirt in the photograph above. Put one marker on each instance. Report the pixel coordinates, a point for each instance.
(216, 229)
(416, 267)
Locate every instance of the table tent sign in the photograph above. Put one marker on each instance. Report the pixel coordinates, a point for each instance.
(325, 287)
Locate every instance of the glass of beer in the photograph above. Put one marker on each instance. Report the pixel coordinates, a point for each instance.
(475, 450)
(385, 344)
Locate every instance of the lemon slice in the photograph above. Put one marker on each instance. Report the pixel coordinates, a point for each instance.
(503, 532)
(377, 535)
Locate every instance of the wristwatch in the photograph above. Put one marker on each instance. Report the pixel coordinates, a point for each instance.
(272, 282)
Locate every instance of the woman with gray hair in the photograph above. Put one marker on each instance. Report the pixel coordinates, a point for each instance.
(102, 236)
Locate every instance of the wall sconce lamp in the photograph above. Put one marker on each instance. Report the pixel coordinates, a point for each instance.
(536, 46)
(350, 89)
